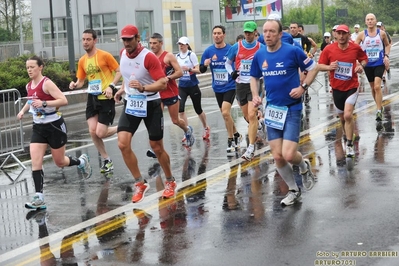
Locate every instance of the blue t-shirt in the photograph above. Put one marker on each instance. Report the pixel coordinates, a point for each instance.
(279, 70)
(221, 79)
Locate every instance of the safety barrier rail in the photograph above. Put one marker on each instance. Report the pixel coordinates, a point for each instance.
(11, 131)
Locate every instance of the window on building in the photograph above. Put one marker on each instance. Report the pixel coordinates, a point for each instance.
(178, 27)
(60, 33)
(206, 26)
(106, 26)
(144, 23)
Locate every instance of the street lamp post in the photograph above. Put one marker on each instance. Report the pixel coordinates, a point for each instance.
(90, 15)
(52, 30)
(21, 37)
(323, 26)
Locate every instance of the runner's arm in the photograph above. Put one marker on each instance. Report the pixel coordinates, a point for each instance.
(173, 62)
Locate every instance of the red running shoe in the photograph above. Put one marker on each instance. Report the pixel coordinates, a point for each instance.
(169, 191)
(140, 188)
(207, 133)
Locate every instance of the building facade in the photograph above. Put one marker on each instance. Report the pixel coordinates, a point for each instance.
(171, 18)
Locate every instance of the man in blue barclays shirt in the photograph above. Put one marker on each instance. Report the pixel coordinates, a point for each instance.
(278, 65)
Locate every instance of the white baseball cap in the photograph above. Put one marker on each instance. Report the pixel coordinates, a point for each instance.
(335, 27)
(379, 23)
(183, 40)
(357, 26)
(274, 17)
(327, 34)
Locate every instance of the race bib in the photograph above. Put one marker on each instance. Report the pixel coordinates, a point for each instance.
(275, 116)
(344, 71)
(373, 54)
(220, 76)
(136, 105)
(95, 87)
(245, 67)
(186, 75)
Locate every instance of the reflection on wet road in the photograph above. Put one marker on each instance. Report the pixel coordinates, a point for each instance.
(226, 211)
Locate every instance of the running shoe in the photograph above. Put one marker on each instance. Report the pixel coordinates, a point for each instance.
(36, 204)
(85, 168)
(231, 148)
(291, 197)
(140, 188)
(143, 218)
(308, 177)
(169, 191)
(350, 152)
(378, 116)
(249, 154)
(151, 154)
(237, 140)
(190, 136)
(207, 133)
(107, 166)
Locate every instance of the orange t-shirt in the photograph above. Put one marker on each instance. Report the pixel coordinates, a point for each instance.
(98, 67)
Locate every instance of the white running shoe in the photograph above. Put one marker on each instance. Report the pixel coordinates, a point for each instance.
(249, 154)
(86, 167)
(291, 197)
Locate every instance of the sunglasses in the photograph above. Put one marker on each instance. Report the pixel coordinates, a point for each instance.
(326, 37)
(127, 39)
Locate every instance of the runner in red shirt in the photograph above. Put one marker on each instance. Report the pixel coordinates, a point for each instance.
(342, 59)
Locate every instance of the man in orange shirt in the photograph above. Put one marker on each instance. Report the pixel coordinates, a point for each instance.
(98, 67)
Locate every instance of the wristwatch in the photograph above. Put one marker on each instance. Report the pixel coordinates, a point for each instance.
(305, 86)
(112, 86)
(44, 104)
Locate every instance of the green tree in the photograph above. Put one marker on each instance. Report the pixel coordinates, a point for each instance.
(303, 15)
(10, 20)
(4, 35)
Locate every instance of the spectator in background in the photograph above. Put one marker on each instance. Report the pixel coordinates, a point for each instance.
(313, 51)
(326, 40)
(334, 36)
(240, 37)
(354, 35)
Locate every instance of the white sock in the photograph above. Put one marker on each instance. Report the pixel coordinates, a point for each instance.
(251, 147)
(288, 176)
(40, 195)
(303, 166)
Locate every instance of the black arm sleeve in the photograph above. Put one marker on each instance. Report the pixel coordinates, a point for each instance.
(203, 68)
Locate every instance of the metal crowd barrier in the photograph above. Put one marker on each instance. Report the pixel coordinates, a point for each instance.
(11, 131)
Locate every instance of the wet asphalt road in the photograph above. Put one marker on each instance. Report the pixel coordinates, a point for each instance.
(227, 212)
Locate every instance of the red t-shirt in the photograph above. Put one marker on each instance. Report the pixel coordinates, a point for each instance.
(344, 78)
(171, 90)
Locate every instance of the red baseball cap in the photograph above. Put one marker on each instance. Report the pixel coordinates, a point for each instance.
(343, 28)
(129, 31)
